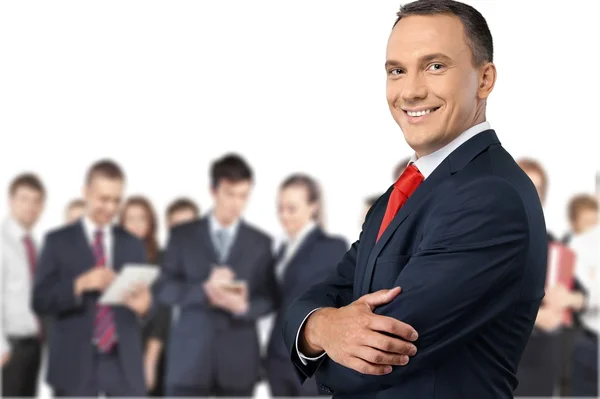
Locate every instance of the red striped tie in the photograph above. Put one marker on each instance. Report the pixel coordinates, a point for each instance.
(105, 335)
(32, 259)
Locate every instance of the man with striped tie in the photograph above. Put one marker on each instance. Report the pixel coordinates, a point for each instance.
(95, 349)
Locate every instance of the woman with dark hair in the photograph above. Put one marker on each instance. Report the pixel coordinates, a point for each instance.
(307, 256)
(138, 217)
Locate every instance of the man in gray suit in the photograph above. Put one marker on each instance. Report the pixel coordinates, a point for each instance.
(219, 271)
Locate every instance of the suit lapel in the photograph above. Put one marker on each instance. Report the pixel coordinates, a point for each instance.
(236, 250)
(118, 249)
(303, 249)
(413, 203)
(368, 238)
(82, 246)
(457, 160)
(205, 240)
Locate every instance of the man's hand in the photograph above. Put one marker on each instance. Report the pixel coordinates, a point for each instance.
(95, 279)
(548, 318)
(5, 358)
(139, 299)
(221, 274)
(558, 297)
(355, 337)
(234, 302)
(150, 374)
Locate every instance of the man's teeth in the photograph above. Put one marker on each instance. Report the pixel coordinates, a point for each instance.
(419, 113)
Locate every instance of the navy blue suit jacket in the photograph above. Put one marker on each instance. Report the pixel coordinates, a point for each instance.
(65, 256)
(314, 260)
(209, 345)
(469, 250)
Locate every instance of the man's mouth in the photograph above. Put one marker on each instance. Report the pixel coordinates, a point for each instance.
(421, 112)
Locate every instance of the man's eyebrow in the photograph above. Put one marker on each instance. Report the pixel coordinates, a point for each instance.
(423, 60)
(392, 63)
(435, 56)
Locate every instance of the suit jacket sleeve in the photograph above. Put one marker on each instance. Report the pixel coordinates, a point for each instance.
(466, 272)
(173, 288)
(52, 292)
(4, 344)
(336, 291)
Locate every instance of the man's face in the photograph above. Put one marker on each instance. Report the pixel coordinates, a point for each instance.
(230, 199)
(26, 205)
(103, 198)
(433, 89)
(294, 209)
(181, 216)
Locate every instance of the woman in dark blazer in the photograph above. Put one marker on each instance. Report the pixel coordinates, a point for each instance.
(138, 217)
(307, 256)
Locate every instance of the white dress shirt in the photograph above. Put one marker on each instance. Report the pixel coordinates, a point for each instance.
(587, 270)
(292, 245)
(18, 319)
(426, 165)
(90, 229)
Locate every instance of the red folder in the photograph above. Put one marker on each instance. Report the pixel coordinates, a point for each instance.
(561, 269)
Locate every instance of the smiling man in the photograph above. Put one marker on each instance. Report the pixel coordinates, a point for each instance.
(439, 295)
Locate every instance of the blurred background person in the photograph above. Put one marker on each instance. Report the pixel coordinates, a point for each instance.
(583, 215)
(219, 272)
(308, 255)
(584, 357)
(541, 369)
(369, 201)
(21, 338)
(95, 349)
(399, 169)
(74, 211)
(182, 210)
(138, 218)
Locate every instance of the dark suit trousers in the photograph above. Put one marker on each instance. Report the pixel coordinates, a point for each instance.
(537, 373)
(108, 379)
(284, 382)
(182, 392)
(584, 381)
(20, 375)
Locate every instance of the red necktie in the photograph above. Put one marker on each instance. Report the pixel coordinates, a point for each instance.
(105, 334)
(406, 184)
(32, 259)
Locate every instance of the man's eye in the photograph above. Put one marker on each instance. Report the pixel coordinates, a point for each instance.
(396, 71)
(435, 67)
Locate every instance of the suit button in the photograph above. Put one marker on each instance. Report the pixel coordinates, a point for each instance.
(325, 388)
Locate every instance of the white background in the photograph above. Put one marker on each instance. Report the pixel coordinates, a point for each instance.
(166, 87)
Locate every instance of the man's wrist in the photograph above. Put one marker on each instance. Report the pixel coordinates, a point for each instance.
(310, 336)
(79, 285)
(577, 301)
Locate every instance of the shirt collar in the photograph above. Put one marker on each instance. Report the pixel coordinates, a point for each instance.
(304, 231)
(15, 229)
(428, 163)
(216, 226)
(90, 227)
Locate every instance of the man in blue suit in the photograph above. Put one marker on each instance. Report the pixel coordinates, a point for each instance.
(94, 349)
(439, 295)
(218, 272)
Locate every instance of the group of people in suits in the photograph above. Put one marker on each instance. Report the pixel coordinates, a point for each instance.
(442, 296)
(194, 332)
